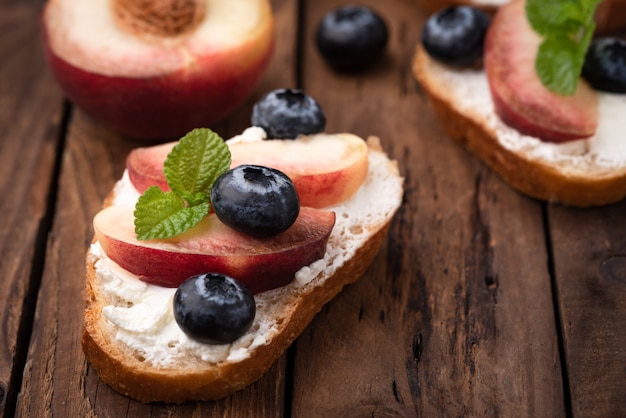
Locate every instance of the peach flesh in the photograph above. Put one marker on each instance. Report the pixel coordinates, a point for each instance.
(326, 169)
(520, 99)
(260, 264)
(196, 87)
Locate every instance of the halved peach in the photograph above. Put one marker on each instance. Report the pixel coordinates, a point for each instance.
(156, 70)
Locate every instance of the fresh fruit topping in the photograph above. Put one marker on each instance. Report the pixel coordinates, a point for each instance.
(326, 169)
(351, 38)
(455, 35)
(156, 70)
(566, 28)
(211, 246)
(520, 98)
(256, 200)
(605, 65)
(287, 113)
(213, 308)
(190, 168)
(145, 166)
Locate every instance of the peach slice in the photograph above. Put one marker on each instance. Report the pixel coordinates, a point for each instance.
(326, 169)
(156, 70)
(520, 99)
(145, 166)
(210, 246)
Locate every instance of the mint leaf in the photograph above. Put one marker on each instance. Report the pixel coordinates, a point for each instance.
(567, 27)
(554, 63)
(160, 214)
(550, 16)
(195, 163)
(190, 169)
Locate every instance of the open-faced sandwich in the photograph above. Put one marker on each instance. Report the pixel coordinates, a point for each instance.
(510, 89)
(211, 257)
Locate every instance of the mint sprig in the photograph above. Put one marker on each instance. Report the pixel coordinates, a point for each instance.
(567, 27)
(190, 169)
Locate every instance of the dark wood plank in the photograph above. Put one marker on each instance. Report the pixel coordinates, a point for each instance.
(58, 380)
(30, 110)
(455, 316)
(57, 374)
(590, 269)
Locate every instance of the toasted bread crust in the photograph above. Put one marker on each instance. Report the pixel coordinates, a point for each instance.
(540, 179)
(127, 373)
(124, 373)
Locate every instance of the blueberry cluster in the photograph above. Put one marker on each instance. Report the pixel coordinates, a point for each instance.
(255, 200)
(258, 201)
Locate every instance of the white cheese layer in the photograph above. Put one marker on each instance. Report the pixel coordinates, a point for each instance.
(606, 148)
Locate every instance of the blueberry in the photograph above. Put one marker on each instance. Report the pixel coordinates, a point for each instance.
(605, 65)
(213, 308)
(455, 35)
(287, 113)
(256, 200)
(351, 38)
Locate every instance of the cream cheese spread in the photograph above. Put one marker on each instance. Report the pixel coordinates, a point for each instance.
(143, 315)
(606, 148)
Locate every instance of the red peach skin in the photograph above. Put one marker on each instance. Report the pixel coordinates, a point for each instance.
(210, 246)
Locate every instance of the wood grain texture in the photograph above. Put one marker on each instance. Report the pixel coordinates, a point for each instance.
(434, 328)
(590, 269)
(30, 110)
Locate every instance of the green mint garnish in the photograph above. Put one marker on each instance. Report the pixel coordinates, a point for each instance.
(191, 168)
(567, 27)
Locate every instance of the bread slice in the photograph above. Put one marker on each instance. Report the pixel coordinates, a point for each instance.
(149, 368)
(580, 173)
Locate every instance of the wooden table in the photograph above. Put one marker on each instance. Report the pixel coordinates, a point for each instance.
(481, 302)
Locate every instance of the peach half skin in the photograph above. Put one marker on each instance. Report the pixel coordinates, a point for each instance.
(520, 99)
(157, 79)
(210, 246)
(326, 169)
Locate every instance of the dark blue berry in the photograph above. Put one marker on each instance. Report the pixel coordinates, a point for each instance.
(256, 200)
(287, 113)
(351, 38)
(605, 65)
(455, 35)
(213, 308)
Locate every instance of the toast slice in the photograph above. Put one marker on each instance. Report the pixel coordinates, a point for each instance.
(587, 172)
(168, 367)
